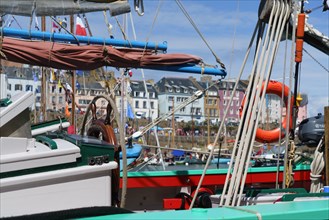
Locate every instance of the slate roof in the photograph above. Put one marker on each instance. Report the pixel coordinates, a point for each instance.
(138, 86)
(172, 82)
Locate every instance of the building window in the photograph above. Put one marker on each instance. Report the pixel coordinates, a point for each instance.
(185, 90)
(60, 100)
(18, 87)
(29, 88)
(237, 103)
(84, 101)
(136, 104)
(53, 99)
(170, 98)
(169, 108)
(144, 104)
(177, 89)
(9, 87)
(169, 89)
(152, 105)
(224, 102)
(182, 109)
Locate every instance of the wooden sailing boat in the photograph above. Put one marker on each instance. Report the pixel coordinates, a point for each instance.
(305, 204)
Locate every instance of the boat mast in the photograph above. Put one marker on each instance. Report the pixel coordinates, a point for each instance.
(43, 79)
(173, 124)
(73, 80)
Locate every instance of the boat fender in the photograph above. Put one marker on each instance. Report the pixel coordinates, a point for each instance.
(203, 198)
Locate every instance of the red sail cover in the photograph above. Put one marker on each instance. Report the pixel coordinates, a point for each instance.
(86, 57)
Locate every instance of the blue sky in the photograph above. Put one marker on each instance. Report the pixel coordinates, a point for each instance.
(227, 25)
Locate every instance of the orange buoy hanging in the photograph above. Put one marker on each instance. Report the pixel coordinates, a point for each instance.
(270, 136)
(67, 111)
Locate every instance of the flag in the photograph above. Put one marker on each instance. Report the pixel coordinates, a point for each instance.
(35, 77)
(79, 72)
(10, 22)
(54, 27)
(52, 76)
(130, 113)
(36, 25)
(80, 28)
(68, 87)
(63, 23)
(129, 90)
(77, 84)
(59, 84)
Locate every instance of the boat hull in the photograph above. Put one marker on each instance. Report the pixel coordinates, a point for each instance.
(148, 189)
(85, 186)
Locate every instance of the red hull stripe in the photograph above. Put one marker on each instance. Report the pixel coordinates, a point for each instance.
(193, 180)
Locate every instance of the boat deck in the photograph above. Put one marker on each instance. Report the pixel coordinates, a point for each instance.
(314, 209)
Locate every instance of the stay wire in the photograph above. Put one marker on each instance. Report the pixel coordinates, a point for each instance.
(180, 5)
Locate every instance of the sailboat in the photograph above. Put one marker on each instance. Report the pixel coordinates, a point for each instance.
(304, 209)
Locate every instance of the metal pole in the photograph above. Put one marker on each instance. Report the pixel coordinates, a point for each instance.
(48, 36)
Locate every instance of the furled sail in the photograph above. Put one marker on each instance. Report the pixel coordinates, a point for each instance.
(87, 57)
(62, 7)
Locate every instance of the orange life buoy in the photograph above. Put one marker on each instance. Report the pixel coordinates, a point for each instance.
(270, 136)
(67, 111)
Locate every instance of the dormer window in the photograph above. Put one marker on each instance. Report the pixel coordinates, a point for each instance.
(185, 90)
(169, 89)
(177, 89)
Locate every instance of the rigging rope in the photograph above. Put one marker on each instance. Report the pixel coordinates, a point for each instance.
(308, 53)
(152, 27)
(317, 166)
(264, 58)
(198, 94)
(180, 5)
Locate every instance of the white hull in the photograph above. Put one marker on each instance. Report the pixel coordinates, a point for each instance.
(80, 187)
